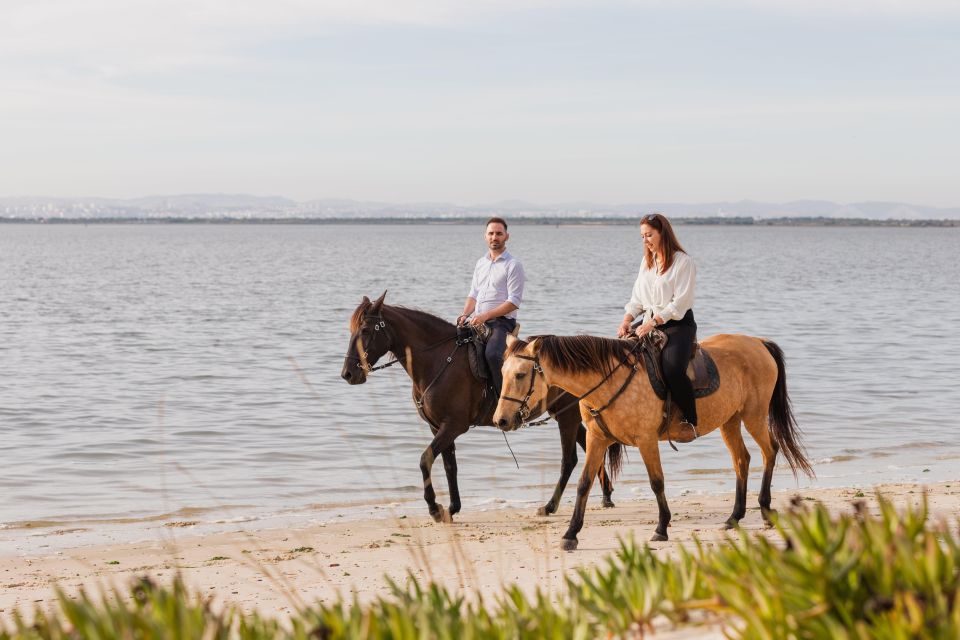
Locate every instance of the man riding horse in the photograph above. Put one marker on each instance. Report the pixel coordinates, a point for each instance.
(496, 292)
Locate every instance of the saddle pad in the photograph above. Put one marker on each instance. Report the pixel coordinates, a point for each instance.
(705, 382)
(478, 361)
(476, 341)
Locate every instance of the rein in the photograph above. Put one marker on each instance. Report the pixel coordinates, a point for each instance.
(524, 410)
(380, 325)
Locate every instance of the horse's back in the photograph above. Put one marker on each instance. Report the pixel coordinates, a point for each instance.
(742, 358)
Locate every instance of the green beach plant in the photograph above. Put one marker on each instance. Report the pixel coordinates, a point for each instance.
(890, 575)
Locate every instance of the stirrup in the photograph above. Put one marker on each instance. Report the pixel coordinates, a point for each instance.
(692, 426)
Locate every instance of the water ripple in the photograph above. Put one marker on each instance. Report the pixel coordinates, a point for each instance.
(150, 369)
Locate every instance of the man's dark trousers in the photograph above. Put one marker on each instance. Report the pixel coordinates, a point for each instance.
(496, 345)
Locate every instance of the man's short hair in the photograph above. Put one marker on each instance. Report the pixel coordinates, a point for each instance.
(497, 220)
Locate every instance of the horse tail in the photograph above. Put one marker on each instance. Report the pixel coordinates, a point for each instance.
(783, 424)
(615, 460)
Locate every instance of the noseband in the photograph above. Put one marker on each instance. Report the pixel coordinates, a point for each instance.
(524, 409)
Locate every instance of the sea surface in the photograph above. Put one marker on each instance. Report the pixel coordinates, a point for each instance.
(191, 373)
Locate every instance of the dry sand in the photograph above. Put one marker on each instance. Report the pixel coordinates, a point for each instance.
(275, 571)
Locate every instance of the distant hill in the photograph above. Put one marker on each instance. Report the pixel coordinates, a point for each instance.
(240, 206)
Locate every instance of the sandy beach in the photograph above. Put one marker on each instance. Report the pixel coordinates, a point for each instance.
(275, 571)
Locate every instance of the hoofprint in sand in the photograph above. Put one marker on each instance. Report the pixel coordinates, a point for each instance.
(277, 571)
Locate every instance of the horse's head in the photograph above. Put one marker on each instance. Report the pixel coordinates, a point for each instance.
(369, 340)
(525, 389)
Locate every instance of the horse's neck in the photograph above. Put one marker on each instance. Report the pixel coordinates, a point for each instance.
(585, 383)
(573, 383)
(412, 337)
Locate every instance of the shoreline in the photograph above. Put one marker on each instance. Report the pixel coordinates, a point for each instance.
(585, 221)
(276, 570)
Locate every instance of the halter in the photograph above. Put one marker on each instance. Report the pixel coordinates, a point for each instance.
(524, 410)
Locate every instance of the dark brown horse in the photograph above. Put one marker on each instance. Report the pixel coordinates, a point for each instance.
(446, 393)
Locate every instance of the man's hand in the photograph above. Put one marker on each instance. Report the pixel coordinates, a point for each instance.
(624, 329)
(478, 319)
(461, 319)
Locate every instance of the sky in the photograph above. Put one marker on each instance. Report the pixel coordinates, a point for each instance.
(476, 102)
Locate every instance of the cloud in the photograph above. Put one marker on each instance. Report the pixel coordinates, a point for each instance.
(113, 35)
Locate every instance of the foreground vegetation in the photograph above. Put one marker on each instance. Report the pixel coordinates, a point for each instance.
(889, 576)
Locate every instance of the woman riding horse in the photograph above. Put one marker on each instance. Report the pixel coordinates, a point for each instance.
(663, 293)
(619, 406)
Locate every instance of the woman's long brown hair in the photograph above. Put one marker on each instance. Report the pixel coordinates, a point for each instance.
(668, 241)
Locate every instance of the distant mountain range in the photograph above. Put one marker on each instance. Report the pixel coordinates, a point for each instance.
(218, 205)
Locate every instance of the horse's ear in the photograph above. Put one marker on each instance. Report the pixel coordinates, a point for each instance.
(535, 346)
(378, 303)
(510, 340)
(365, 300)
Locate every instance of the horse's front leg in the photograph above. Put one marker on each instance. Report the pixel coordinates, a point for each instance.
(650, 452)
(596, 448)
(450, 467)
(442, 440)
(606, 484)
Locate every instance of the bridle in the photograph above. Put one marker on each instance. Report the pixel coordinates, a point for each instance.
(380, 328)
(362, 360)
(524, 409)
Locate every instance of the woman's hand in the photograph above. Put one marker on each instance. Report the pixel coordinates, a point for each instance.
(646, 328)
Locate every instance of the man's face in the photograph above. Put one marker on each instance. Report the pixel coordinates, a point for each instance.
(496, 236)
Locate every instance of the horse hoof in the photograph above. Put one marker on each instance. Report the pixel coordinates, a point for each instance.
(659, 537)
(445, 516)
(607, 503)
(769, 517)
(440, 514)
(731, 524)
(545, 511)
(569, 544)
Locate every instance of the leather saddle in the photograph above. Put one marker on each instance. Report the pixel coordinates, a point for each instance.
(476, 340)
(702, 370)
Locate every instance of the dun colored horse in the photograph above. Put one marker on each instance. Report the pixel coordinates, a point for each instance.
(446, 393)
(753, 390)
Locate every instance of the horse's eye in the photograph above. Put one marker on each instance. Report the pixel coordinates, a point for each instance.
(520, 376)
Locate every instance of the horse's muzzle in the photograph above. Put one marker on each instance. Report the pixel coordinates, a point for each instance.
(506, 423)
(353, 374)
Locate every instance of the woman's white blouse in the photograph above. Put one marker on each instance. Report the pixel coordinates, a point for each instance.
(668, 295)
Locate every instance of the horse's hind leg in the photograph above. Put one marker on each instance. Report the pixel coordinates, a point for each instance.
(650, 452)
(741, 464)
(568, 446)
(450, 467)
(596, 449)
(760, 431)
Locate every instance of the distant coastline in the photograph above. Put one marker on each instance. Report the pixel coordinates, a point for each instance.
(787, 221)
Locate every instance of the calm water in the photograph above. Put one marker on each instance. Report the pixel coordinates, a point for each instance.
(192, 372)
